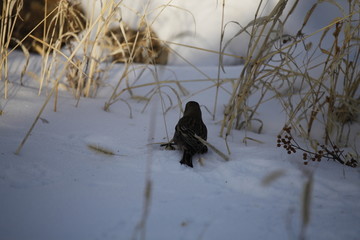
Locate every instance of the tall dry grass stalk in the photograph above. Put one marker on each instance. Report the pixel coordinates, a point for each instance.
(53, 34)
(9, 15)
(255, 75)
(220, 56)
(96, 30)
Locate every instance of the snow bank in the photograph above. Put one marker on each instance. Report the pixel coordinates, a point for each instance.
(199, 23)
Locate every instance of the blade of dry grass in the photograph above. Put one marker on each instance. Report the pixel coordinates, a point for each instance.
(217, 151)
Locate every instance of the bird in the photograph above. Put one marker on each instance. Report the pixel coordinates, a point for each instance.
(189, 125)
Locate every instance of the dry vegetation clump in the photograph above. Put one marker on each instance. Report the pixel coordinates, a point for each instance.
(108, 40)
(44, 26)
(136, 45)
(39, 19)
(321, 80)
(39, 26)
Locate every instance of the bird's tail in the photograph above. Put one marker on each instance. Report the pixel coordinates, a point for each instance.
(187, 159)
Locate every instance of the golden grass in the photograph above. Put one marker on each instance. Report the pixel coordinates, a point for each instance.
(10, 11)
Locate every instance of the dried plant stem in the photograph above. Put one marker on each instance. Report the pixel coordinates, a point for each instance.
(217, 151)
(306, 204)
(168, 43)
(53, 90)
(8, 20)
(220, 57)
(17, 152)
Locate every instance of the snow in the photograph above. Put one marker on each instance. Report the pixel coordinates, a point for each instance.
(199, 23)
(58, 188)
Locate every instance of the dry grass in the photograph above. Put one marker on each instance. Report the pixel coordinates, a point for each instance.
(255, 74)
(333, 94)
(318, 92)
(10, 11)
(324, 92)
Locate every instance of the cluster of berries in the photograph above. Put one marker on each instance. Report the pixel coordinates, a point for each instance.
(287, 141)
(333, 153)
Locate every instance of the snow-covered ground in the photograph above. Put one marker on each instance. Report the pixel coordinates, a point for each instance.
(58, 188)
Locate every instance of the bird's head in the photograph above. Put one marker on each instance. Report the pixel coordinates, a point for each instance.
(192, 109)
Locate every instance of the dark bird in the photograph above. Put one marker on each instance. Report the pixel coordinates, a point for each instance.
(189, 125)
